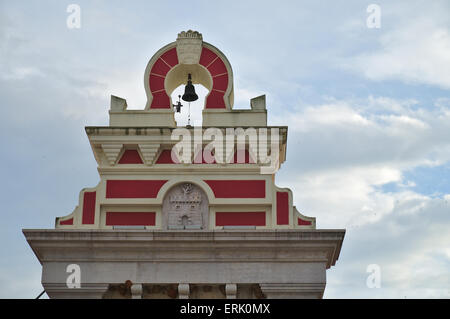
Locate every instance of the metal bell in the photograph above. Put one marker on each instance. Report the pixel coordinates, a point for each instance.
(189, 91)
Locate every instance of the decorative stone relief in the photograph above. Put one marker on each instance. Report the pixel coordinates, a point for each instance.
(111, 152)
(189, 47)
(149, 151)
(185, 207)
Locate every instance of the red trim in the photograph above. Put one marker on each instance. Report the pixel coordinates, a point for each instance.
(170, 57)
(66, 222)
(217, 67)
(302, 222)
(158, 73)
(247, 158)
(238, 188)
(160, 100)
(130, 218)
(207, 57)
(215, 100)
(160, 68)
(220, 82)
(210, 60)
(282, 208)
(88, 208)
(200, 158)
(165, 158)
(240, 218)
(156, 82)
(130, 157)
(133, 188)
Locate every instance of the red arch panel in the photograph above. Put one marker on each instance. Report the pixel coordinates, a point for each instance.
(220, 82)
(170, 57)
(210, 60)
(219, 73)
(207, 57)
(158, 73)
(217, 67)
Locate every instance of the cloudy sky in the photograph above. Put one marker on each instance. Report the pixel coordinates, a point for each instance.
(368, 111)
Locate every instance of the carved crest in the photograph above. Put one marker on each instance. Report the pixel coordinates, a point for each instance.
(185, 207)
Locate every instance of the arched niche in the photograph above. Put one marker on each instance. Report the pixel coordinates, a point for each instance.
(169, 68)
(178, 76)
(185, 206)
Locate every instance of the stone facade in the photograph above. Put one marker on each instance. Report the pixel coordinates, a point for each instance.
(157, 226)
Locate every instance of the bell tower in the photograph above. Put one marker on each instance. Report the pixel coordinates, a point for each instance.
(186, 212)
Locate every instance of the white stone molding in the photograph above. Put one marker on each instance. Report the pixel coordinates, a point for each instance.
(149, 152)
(112, 152)
(93, 290)
(293, 290)
(284, 262)
(111, 139)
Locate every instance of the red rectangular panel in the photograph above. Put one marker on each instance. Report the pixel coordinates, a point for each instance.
(133, 188)
(88, 208)
(241, 219)
(130, 218)
(302, 222)
(238, 188)
(282, 208)
(66, 222)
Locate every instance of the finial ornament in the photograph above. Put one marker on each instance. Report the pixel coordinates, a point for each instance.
(189, 47)
(190, 34)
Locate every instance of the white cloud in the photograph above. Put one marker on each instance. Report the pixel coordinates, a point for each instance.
(340, 154)
(411, 247)
(413, 48)
(20, 73)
